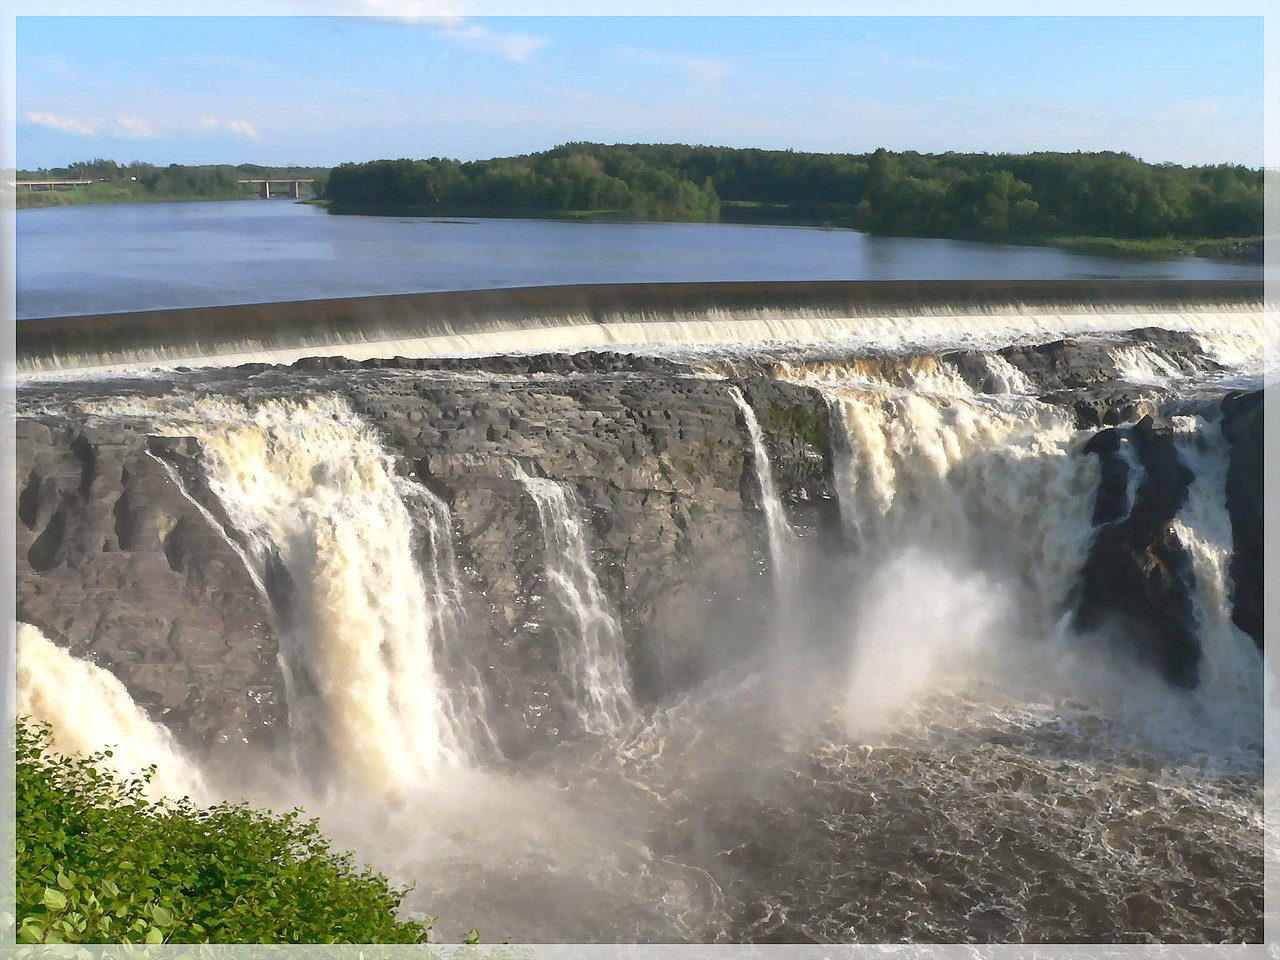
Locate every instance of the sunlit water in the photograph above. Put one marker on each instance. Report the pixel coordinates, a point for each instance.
(105, 259)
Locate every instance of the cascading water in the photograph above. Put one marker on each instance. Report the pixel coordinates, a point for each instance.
(989, 481)
(464, 697)
(90, 710)
(308, 486)
(1230, 683)
(592, 655)
(781, 536)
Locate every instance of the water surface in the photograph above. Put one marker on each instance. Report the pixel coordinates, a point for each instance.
(105, 259)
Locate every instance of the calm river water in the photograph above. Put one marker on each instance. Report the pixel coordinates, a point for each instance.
(101, 259)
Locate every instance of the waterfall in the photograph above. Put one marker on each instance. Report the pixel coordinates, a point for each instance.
(1231, 672)
(309, 489)
(781, 536)
(465, 698)
(992, 483)
(592, 654)
(90, 710)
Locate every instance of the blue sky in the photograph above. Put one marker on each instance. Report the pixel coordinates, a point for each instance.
(322, 90)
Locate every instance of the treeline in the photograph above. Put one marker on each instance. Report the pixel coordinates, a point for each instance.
(600, 180)
(986, 196)
(143, 181)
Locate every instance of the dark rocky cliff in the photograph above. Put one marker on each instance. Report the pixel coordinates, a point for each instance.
(122, 556)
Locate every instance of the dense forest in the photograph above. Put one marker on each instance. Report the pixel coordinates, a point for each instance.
(987, 196)
(122, 183)
(1110, 202)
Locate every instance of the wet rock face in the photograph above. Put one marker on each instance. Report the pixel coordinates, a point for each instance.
(1242, 424)
(114, 563)
(124, 553)
(672, 514)
(1086, 377)
(1137, 579)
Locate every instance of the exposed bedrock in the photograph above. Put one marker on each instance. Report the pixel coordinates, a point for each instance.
(124, 555)
(1138, 578)
(1093, 377)
(1242, 424)
(659, 460)
(1136, 582)
(674, 528)
(116, 564)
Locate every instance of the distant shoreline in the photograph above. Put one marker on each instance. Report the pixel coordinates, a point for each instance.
(81, 200)
(1231, 249)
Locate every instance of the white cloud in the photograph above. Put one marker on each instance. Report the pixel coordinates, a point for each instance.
(446, 17)
(82, 128)
(242, 128)
(60, 68)
(704, 69)
(172, 123)
(134, 127)
(239, 128)
(513, 46)
(408, 9)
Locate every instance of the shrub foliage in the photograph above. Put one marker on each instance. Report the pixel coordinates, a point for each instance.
(97, 862)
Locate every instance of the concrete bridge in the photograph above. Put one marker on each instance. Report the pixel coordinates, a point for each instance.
(49, 184)
(264, 191)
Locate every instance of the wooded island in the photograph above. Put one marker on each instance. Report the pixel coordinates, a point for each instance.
(1107, 202)
(1096, 202)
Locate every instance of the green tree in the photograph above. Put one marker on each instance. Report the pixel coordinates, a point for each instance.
(98, 863)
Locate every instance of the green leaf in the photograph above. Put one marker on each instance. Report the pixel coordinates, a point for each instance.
(53, 899)
(154, 936)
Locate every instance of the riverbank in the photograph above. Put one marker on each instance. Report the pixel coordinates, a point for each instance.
(1237, 249)
(108, 193)
(833, 217)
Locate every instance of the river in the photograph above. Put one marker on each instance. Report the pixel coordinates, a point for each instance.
(826, 624)
(105, 259)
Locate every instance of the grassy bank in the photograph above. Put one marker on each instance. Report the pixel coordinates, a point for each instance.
(446, 211)
(99, 193)
(1241, 249)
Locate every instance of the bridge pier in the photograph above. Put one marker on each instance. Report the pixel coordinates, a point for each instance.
(294, 186)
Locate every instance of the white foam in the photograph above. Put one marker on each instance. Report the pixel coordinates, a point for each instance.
(311, 484)
(1231, 326)
(592, 655)
(90, 710)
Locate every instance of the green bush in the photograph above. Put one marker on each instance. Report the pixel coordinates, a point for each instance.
(798, 422)
(99, 863)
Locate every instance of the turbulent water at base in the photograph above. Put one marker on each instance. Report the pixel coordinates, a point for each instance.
(930, 753)
(89, 711)
(591, 656)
